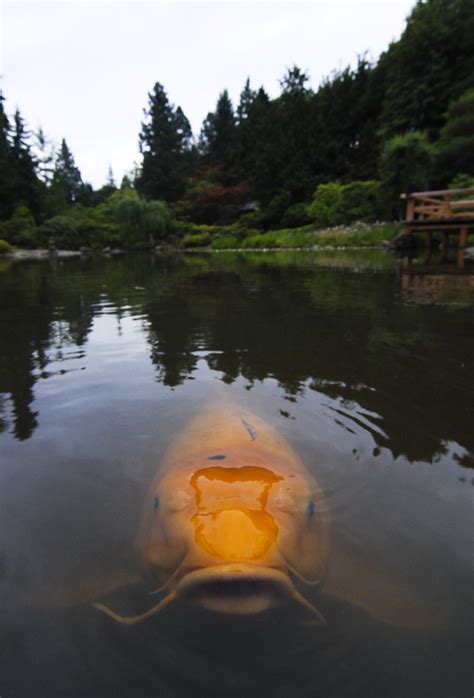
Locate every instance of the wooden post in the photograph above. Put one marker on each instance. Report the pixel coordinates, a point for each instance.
(461, 245)
(428, 242)
(445, 247)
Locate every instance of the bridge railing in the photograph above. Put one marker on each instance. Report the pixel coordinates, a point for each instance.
(445, 205)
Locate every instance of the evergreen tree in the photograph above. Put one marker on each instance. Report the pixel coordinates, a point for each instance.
(166, 145)
(44, 156)
(247, 98)
(26, 184)
(110, 178)
(455, 152)
(217, 139)
(346, 112)
(6, 169)
(294, 81)
(431, 64)
(67, 183)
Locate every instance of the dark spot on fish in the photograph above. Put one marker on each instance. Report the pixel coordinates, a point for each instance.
(311, 509)
(156, 504)
(376, 452)
(218, 457)
(251, 430)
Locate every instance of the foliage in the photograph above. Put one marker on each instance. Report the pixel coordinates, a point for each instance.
(461, 181)
(213, 203)
(405, 166)
(296, 215)
(63, 230)
(67, 181)
(166, 145)
(324, 202)
(430, 66)
(455, 150)
(341, 153)
(343, 204)
(217, 139)
(197, 240)
(357, 235)
(20, 228)
(140, 221)
(5, 247)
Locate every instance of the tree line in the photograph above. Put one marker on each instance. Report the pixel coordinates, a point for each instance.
(341, 153)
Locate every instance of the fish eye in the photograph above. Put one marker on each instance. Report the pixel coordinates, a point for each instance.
(156, 503)
(311, 509)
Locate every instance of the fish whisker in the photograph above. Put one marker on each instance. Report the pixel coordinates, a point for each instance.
(131, 620)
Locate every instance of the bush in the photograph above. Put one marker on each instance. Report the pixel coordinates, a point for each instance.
(461, 181)
(63, 230)
(455, 148)
(226, 242)
(20, 228)
(405, 165)
(140, 221)
(359, 201)
(324, 204)
(343, 204)
(5, 247)
(197, 240)
(295, 216)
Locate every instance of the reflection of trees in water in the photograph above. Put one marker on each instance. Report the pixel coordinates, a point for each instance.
(255, 316)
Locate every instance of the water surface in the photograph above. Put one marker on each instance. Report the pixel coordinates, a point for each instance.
(365, 368)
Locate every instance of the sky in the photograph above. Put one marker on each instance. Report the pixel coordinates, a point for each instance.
(82, 70)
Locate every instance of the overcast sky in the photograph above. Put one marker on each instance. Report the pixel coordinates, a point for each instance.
(82, 70)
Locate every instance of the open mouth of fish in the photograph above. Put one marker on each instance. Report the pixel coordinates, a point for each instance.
(235, 588)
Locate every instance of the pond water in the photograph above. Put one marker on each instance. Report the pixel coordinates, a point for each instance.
(366, 369)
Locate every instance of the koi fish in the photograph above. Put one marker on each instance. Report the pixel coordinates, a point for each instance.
(232, 521)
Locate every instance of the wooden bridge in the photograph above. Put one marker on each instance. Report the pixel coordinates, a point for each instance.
(449, 211)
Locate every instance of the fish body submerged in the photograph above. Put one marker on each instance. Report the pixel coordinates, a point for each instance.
(232, 521)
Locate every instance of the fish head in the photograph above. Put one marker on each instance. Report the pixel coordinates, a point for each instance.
(234, 533)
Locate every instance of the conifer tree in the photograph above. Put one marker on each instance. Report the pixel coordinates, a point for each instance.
(44, 155)
(67, 181)
(217, 139)
(247, 98)
(6, 170)
(26, 185)
(165, 143)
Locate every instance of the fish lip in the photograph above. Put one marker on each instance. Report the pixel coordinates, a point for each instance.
(234, 579)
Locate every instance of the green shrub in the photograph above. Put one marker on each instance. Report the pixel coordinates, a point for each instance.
(295, 216)
(461, 181)
(323, 206)
(20, 228)
(197, 240)
(343, 204)
(5, 247)
(359, 201)
(226, 242)
(455, 148)
(63, 230)
(405, 165)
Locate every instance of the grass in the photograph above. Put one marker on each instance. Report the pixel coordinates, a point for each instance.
(357, 235)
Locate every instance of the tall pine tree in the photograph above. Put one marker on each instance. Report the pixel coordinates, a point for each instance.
(6, 169)
(217, 140)
(67, 183)
(166, 146)
(26, 183)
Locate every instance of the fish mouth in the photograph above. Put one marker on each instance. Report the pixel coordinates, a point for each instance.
(235, 588)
